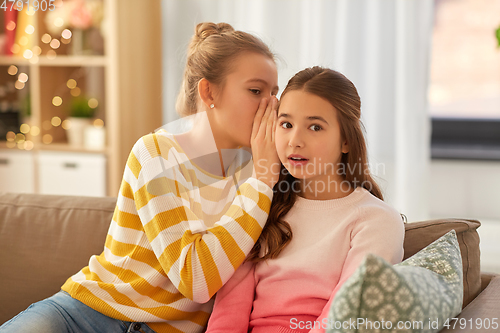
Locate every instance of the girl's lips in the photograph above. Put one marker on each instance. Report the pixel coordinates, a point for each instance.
(298, 162)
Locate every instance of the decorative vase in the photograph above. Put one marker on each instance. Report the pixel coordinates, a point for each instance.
(76, 130)
(80, 42)
(94, 138)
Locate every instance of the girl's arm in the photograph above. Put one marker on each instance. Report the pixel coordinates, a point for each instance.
(198, 261)
(381, 234)
(233, 302)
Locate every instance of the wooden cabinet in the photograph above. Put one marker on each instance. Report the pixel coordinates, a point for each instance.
(122, 73)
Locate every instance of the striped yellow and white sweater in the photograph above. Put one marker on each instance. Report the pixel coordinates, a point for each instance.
(177, 235)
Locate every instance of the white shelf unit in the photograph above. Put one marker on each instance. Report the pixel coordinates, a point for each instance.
(132, 55)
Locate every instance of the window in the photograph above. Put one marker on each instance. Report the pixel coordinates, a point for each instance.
(464, 91)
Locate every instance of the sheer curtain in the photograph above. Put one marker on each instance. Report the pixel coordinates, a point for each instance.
(383, 46)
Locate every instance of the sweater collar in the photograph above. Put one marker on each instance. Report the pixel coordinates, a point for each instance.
(352, 198)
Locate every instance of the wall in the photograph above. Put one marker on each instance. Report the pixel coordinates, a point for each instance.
(470, 189)
(465, 189)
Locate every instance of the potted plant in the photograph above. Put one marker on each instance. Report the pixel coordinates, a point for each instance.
(80, 116)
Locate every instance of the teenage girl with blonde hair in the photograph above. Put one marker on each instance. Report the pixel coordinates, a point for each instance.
(327, 199)
(180, 229)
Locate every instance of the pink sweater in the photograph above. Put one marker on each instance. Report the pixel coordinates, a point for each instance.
(291, 292)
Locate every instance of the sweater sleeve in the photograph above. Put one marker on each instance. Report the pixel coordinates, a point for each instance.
(382, 233)
(233, 302)
(197, 260)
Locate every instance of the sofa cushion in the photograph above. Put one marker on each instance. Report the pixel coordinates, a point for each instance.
(44, 239)
(420, 293)
(420, 234)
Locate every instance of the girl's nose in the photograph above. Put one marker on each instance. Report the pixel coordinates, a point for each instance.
(296, 140)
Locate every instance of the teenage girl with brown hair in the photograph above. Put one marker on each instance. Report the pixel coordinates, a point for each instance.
(327, 213)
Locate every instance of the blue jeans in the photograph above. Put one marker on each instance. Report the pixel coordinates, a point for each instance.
(62, 313)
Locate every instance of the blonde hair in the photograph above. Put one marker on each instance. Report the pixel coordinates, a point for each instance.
(210, 54)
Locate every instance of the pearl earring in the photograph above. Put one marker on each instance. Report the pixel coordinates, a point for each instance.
(212, 106)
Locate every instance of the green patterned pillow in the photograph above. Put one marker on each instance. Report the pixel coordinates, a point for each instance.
(417, 295)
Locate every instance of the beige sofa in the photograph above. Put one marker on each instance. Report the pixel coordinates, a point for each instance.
(44, 239)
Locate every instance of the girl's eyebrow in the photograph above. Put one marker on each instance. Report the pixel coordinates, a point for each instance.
(318, 118)
(286, 115)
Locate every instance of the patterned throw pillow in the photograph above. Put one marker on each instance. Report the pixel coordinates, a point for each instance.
(417, 295)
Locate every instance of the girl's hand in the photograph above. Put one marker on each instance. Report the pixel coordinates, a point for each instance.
(265, 157)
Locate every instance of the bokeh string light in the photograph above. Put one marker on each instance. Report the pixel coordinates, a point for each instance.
(29, 29)
(35, 130)
(11, 26)
(19, 139)
(12, 70)
(66, 35)
(23, 77)
(55, 121)
(32, 54)
(58, 101)
(71, 84)
(55, 43)
(75, 92)
(25, 128)
(46, 38)
(47, 139)
(98, 123)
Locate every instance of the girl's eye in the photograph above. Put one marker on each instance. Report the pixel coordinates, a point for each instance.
(316, 128)
(286, 124)
(255, 91)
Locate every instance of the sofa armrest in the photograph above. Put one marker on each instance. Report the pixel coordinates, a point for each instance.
(486, 279)
(420, 234)
(485, 306)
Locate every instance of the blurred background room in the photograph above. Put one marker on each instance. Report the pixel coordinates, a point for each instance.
(82, 80)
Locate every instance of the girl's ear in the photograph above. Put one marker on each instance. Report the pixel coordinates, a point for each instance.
(345, 147)
(206, 92)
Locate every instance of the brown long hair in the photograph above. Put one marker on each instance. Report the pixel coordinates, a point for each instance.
(210, 54)
(343, 95)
